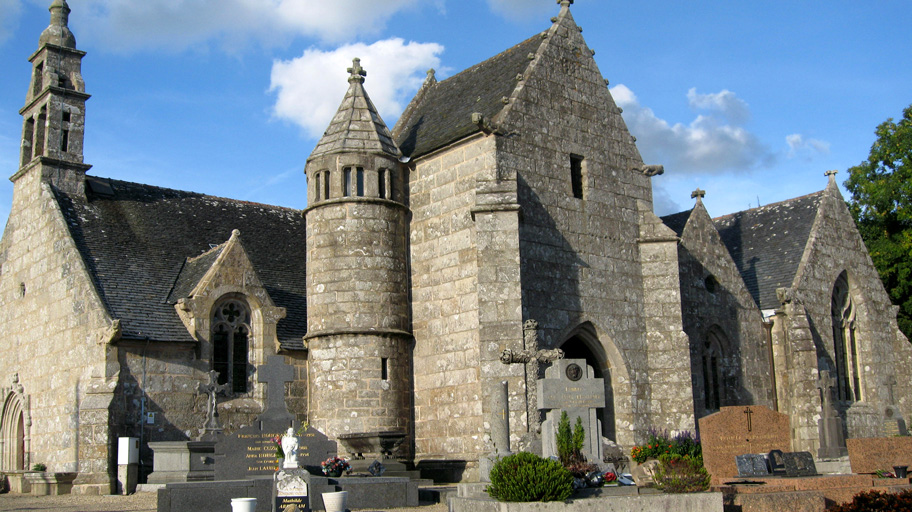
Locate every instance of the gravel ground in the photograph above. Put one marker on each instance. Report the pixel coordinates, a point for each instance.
(141, 501)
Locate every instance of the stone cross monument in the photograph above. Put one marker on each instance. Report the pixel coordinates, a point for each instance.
(211, 389)
(829, 426)
(570, 385)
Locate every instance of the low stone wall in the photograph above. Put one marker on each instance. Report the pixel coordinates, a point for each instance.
(694, 502)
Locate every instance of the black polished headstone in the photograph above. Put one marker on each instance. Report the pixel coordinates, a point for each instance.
(251, 452)
(752, 464)
(776, 462)
(799, 464)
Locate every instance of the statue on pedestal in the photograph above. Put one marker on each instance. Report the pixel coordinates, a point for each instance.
(290, 448)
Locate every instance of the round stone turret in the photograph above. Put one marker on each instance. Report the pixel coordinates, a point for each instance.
(358, 314)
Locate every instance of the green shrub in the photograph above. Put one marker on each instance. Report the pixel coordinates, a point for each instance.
(681, 473)
(570, 444)
(877, 501)
(659, 443)
(39, 467)
(528, 477)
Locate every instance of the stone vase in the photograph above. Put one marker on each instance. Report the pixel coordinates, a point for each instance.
(335, 501)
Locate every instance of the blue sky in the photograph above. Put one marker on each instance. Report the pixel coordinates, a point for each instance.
(750, 101)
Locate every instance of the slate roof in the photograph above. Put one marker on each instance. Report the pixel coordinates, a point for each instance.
(443, 113)
(357, 126)
(135, 240)
(677, 221)
(767, 243)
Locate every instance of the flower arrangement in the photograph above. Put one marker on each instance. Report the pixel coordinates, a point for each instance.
(610, 477)
(335, 466)
(660, 443)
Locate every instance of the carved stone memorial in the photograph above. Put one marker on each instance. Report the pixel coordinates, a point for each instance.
(570, 386)
(752, 464)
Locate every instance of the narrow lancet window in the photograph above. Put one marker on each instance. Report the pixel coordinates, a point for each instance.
(577, 177)
(359, 182)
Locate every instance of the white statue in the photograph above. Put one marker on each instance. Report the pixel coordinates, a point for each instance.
(290, 447)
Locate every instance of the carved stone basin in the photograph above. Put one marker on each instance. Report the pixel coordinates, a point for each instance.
(373, 444)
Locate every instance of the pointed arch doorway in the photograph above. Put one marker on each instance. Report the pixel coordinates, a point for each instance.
(12, 435)
(583, 343)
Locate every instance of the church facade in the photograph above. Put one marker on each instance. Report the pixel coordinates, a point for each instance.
(507, 193)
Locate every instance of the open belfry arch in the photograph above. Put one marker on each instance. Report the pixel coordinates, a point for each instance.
(506, 216)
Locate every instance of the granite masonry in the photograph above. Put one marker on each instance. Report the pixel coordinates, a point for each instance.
(508, 210)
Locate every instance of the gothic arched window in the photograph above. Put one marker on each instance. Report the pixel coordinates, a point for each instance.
(712, 374)
(231, 343)
(845, 350)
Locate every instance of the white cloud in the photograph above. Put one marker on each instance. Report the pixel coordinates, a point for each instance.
(9, 18)
(310, 87)
(724, 102)
(177, 24)
(522, 10)
(712, 142)
(806, 148)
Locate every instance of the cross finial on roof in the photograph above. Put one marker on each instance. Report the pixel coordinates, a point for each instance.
(698, 194)
(357, 72)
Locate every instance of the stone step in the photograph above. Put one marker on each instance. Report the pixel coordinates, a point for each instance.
(436, 493)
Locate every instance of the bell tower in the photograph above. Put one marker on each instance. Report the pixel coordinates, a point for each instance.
(358, 314)
(54, 112)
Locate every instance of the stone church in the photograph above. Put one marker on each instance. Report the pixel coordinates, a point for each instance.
(509, 192)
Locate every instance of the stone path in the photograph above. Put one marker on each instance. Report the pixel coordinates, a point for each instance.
(141, 502)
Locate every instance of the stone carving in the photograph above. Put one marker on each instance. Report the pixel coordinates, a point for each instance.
(211, 389)
(525, 356)
(290, 448)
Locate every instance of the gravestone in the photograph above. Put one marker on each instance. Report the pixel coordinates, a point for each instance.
(570, 386)
(776, 462)
(829, 426)
(752, 464)
(869, 454)
(893, 423)
(291, 489)
(738, 430)
(251, 451)
(799, 464)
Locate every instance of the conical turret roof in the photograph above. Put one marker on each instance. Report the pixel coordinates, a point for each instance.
(356, 127)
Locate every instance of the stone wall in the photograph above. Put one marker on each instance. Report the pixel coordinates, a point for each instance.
(56, 335)
(835, 247)
(445, 300)
(714, 298)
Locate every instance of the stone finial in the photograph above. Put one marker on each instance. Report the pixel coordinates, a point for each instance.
(565, 3)
(431, 76)
(60, 13)
(698, 194)
(235, 233)
(831, 174)
(357, 72)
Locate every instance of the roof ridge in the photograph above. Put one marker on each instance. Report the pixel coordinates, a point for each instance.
(770, 205)
(198, 194)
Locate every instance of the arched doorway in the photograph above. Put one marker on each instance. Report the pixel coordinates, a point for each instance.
(12, 435)
(583, 343)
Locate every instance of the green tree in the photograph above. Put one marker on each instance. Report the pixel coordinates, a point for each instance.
(881, 202)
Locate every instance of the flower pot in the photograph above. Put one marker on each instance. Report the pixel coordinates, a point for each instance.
(901, 471)
(243, 504)
(335, 501)
(335, 474)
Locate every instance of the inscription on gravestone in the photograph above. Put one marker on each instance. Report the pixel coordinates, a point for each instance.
(776, 462)
(799, 464)
(251, 451)
(570, 385)
(740, 430)
(752, 464)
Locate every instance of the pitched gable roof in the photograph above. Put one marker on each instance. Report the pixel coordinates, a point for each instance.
(441, 112)
(135, 240)
(677, 221)
(767, 243)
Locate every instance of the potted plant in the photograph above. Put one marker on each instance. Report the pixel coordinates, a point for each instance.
(335, 466)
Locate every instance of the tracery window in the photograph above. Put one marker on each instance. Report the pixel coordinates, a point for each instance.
(230, 343)
(845, 348)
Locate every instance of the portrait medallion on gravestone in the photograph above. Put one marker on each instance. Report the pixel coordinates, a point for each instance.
(799, 464)
(752, 464)
(776, 462)
(574, 372)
